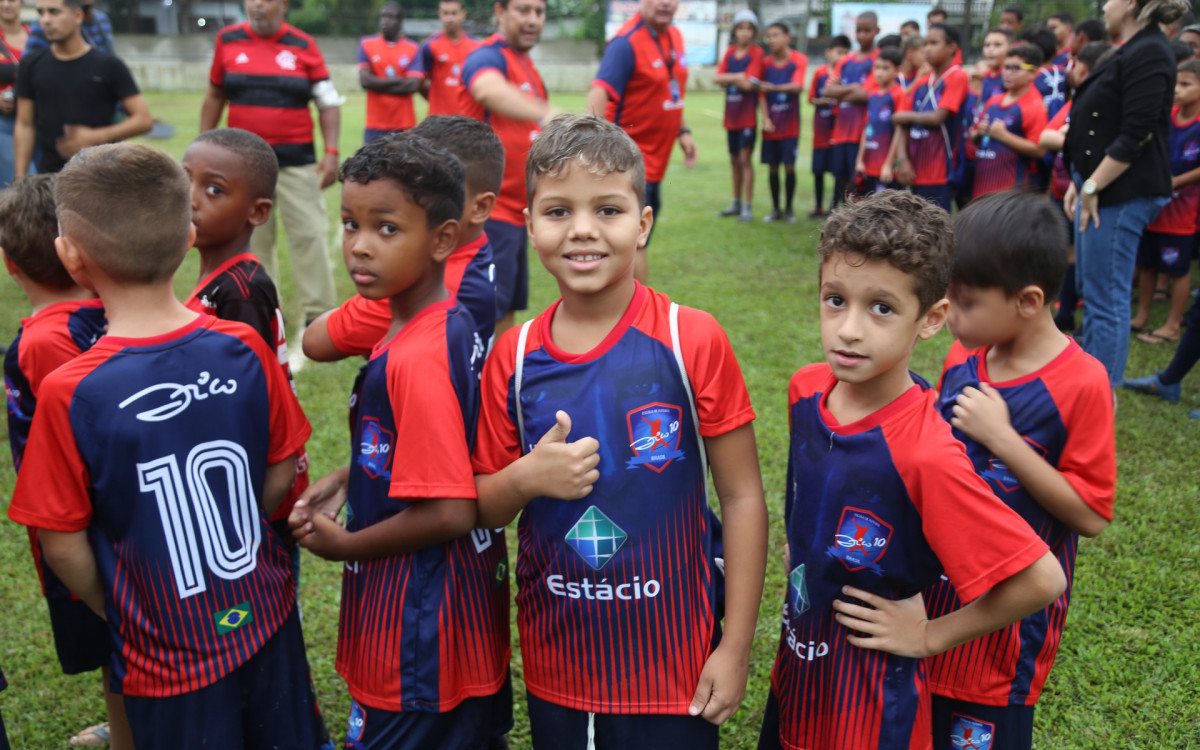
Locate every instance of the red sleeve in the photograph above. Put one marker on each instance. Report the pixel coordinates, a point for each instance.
(897, 92)
(801, 70)
(52, 486)
(41, 355)
(436, 460)
(315, 62)
(812, 87)
(496, 442)
(358, 325)
(958, 510)
(722, 402)
(723, 66)
(1089, 457)
(1059, 119)
(1033, 118)
(216, 74)
(955, 91)
(755, 69)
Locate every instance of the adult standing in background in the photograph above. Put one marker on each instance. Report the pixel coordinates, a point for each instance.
(96, 29)
(502, 88)
(267, 72)
(13, 34)
(67, 93)
(1116, 151)
(441, 57)
(640, 86)
(385, 70)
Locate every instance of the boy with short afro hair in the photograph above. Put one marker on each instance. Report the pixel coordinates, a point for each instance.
(423, 642)
(171, 412)
(1035, 413)
(617, 600)
(881, 499)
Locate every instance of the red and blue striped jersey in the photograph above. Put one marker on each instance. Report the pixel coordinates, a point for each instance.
(877, 136)
(1051, 83)
(851, 118)
(269, 81)
(424, 630)
(646, 78)
(616, 592)
(441, 60)
(1064, 411)
(998, 167)
(784, 108)
(158, 448)
(934, 151)
(1179, 216)
(741, 107)
(884, 504)
(359, 323)
(389, 60)
(822, 113)
(515, 135)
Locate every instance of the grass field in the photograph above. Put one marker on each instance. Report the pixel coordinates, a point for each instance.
(1128, 674)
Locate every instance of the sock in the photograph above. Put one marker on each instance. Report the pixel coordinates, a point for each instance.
(789, 181)
(773, 181)
(1188, 351)
(839, 193)
(819, 189)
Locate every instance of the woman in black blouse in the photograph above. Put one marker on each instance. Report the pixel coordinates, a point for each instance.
(1116, 150)
(13, 34)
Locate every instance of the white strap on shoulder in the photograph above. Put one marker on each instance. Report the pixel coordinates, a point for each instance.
(518, 372)
(687, 388)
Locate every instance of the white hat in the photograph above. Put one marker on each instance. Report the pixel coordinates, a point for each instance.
(745, 16)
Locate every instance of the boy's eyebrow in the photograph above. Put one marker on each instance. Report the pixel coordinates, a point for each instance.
(605, 198)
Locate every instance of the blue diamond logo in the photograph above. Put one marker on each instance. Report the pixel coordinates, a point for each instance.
(596, 538)
(798, 589)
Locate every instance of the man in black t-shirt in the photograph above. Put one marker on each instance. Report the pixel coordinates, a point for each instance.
(66, 94)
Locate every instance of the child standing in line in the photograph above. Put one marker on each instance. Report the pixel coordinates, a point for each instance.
(1008, 130)
(739, 72)
(824, 112)
(851, 83)
(872, 161)
(781, 86)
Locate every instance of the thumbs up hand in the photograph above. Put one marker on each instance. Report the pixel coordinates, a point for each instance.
(562, 469)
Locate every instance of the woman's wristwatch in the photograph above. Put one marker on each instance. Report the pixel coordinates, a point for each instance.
(1089, 187)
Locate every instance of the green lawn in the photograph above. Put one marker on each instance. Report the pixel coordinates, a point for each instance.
(1127, 671)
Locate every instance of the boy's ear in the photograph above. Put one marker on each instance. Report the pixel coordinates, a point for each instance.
(934, 319)
(480, 208)
(445, 240)
(260, 211)
(1030, 301)
(647, 223)
(72, 258)
(8, 264)
(529, 226)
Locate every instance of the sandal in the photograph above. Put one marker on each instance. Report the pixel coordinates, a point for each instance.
(1154, 337)
(96, 736)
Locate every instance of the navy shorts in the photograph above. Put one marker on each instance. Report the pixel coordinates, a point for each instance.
(266, 702)
(511, 263)
(959, 725)
(370, 134)
(741, 139)
(471, 725)
(782, 151)
(552, 727)
(844, 156)
(1167, 253)
(938, 195)
(80, 637)
(822, 160)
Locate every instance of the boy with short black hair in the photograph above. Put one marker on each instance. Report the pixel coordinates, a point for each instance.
(872, 162)
(782, 82)
(881, 499)
(1009, 128)
(66, 320)
(1035, 413)
(824, 114)
(359, 323)
(658, 386)
(1062, 24)
(153, 462)
(423, 640)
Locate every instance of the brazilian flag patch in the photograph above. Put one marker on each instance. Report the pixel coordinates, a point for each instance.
(233, 618)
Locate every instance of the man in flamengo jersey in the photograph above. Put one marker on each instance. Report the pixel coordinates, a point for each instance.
(640, 86)
(423, 642)
(440, 60)
(152, 464)
(502, 87)
(782, 82)
(616, 602)
(386, 69)
(1009, 128)
(851, 82)
(1035, 414)
(872, 160)
(927, 147)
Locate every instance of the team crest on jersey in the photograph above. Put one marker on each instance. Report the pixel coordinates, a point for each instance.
(355, 725)
(286, 60)
(654, 435)
(967, 733)
(797, 600)
(596, 538)
(861, 540)
(375, 449)
(233, 618)
(997, 471)
(1192, 150)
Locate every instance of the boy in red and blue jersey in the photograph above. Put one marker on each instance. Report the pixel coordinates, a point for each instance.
(824, 110)
(881, 498)
(154, 460)
(359, 323)
(1009, 129)
(1035, 413)
(926, 150)
(739, 72)
(781, 86)
(441, 57)
(617, 592)
(851, 83)
(423, 639)
(386, 69)
(66, 320)
(986, 80)
(876, 145)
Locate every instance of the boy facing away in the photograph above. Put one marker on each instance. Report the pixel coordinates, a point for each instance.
(153, 462)
(881, 499)
(616, 601)
(66, 320)
(1035, 413)
(423, 642)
